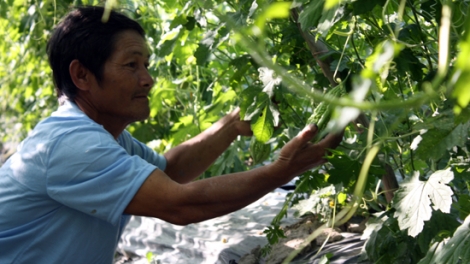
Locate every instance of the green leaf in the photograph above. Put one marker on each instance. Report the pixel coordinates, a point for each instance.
(331, 3)
(455, 250)
(410, 34)
(273, 233)
(259, 151)
(325, 259)
(344, 169)
(413, 200)
(263, 125)
(365, 6)
(318, 203)
(166, 47)
(310, 16)
(251, 100)
(205, 47)
(461, 91)
(328, 18)
(407, 62)
(387, 245)
(275, 10)
(440, 227)
(436, 142)
(184, 129)
(178, 20)
(191, 22)
(227, 160)
(202, 54)
(464, 205)
(255, 110)
(374, 224)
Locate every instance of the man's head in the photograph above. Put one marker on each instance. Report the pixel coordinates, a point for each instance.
(82, 36)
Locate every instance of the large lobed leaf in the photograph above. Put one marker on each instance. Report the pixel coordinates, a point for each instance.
(413, 200)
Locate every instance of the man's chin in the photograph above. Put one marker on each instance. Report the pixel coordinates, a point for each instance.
(144, 116)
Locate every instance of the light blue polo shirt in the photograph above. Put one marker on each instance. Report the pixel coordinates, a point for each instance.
(63, 193)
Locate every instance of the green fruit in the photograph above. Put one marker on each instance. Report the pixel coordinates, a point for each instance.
(322, 113)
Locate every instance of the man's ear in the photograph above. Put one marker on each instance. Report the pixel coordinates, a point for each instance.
(80, 75)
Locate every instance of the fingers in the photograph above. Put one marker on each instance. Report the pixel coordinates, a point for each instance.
(331, 141)
(299, 142)
(304, 137)
(308, 132)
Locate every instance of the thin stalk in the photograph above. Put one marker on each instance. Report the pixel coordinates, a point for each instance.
(402, 173)
(354, 45)
(399, 137)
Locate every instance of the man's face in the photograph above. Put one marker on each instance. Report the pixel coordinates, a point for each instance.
(122, 94)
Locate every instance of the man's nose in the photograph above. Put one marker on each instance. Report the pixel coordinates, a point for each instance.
(146, 79)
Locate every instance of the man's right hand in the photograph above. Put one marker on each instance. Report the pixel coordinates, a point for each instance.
(300, 155)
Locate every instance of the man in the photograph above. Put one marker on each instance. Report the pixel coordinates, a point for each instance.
(68, 192)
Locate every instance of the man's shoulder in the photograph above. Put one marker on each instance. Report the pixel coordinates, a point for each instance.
(57, 136)
(55, 128)
(68, 121)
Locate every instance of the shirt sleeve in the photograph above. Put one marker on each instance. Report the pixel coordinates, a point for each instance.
(135, 147)
(89, 171)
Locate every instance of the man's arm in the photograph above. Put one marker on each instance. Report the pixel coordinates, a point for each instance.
(162, 197)
(191, 158)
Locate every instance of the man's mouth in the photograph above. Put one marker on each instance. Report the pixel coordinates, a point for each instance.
(142, 96)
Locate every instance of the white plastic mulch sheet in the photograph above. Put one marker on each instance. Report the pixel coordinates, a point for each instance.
(218, 240)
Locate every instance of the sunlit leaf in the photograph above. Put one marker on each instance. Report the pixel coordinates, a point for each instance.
(275, 10)
(318, 203)
(249, 102)
(413, 200)
(331, 3)
(263, 125)
(329, 17)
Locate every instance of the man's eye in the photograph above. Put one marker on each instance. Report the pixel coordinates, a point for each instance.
(131, 64)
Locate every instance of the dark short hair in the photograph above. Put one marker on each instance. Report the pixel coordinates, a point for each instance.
(82, 35)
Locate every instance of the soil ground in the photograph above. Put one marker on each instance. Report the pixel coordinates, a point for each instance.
(297, 233)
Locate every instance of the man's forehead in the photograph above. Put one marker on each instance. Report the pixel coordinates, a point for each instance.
(132, 43)
(144, 53)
